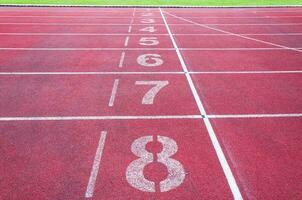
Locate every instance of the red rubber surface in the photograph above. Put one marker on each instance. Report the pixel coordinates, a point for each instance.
(57, 63)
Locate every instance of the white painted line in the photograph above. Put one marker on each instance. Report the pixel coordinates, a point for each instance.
(140, 49)
(96, 165)
(221, 157)
(138, 24)
(84, 49)
(222, 34)
(113, 93)
(125, 17)
(79, 34)
(126, 41)
(153, 34)
(247, 72)
(253, 116)
(84, 118)
(85, 73)
(235, 34)
(120, 65)
(129, 29)
(150, 72)
(72, 24)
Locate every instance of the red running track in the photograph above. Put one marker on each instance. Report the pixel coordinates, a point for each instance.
(141, 103)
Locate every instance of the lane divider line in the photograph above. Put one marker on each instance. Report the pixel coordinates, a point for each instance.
(113, 93)
(221, 157)
(83, 118)
(96, 165)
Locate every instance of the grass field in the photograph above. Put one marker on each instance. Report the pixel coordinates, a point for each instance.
(158, 2)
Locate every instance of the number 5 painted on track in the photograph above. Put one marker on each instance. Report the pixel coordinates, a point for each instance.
(150, 95)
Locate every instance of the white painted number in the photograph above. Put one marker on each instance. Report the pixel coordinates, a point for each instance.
(135, 170)
(150, 29)
(147, 14)
(150, 95)
(149, 41)
(147, 21)
(150, 60)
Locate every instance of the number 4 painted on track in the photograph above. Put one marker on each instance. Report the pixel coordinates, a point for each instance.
(150, 95)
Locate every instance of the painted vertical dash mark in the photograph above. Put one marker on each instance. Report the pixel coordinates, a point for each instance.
(129, 29)
(120, 65)
(126, 41)
(113, 93)
(96, 165)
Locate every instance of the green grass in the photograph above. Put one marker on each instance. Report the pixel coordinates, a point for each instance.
(158, 2)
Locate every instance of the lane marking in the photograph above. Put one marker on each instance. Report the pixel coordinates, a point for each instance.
(221, 157)
(139, 49)
(84, 34)
(114, 17)
(129, 29)
(148, 34)
(96, 165)
(140, 24)
(126, 41)
(120, 65)
(253, 115)
(74, 24)
(113, 93)
(159, 72)
(84, 118)
(83, 49)
(234, 34)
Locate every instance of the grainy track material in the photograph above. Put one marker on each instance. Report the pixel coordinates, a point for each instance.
(148, 103)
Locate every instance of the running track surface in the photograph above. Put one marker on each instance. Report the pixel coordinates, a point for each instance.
(150, 104)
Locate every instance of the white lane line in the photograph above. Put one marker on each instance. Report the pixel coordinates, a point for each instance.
(96, 165)
(248, 72)
(80, 34)
(140, 24)
(153, 34)
(126, 41)
(160, 72)
(234, 34)
(125, 17)
(75, 24)
(140, 49)
(83, 49)
(223, 34)
(253, 116)
(129, 29)
(113, 93)
(221, 157)
(83, 118)
(85, 73)
(120, 65)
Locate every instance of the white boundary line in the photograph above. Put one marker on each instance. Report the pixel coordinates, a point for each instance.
(149, 72)
(113, 93)
(125, 24)
(84, 118)
(113, 17)
(139, 34)
(143, 49)
(254, 116)
(235, 34)
(221, 157)
(96, 165)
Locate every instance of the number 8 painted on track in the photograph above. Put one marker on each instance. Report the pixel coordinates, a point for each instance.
(135, 170)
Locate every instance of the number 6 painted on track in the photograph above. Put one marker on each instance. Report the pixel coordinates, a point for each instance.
(150, 60)
(150, 95)
(135, 170)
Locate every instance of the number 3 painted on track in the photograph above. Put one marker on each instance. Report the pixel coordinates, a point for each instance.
(135, 170)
